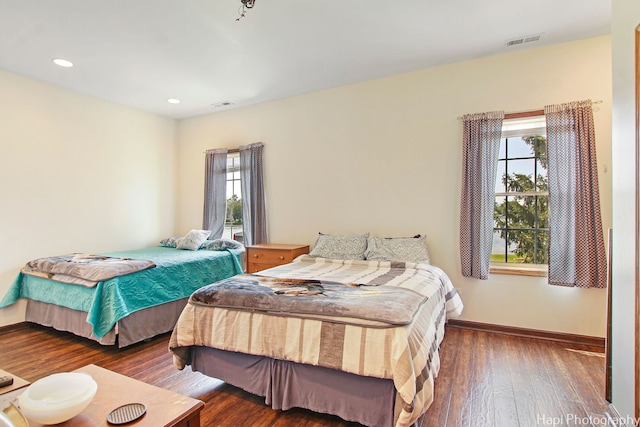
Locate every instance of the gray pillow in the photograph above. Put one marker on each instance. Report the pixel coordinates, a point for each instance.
(221, 244)
(407, 249)
(340, 247)
(171, 242)
(193, 240)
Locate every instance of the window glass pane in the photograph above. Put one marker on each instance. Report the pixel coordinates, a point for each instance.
(233, 225)
(503, 247)
(500, 174)
(520, 175)
(542, 182)
(512, 211)
(537, 143)
(502, 153)
(522, 244)
(498, 250)
(518, 148)
(521, 211)
(511, 247)
(499, 213)
(543, 247)
(543, 160)
(543, 211)
(528, 246)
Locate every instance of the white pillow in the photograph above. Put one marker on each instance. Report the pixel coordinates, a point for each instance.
(407, 249)
(340, 247)
(193, 240)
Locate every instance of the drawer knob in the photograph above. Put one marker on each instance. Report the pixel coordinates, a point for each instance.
(255, 255)
(281, 257)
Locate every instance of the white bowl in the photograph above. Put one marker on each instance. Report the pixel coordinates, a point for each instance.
(58, 397)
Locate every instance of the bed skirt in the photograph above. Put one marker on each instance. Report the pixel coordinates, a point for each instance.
(285, 385)
(136, 327)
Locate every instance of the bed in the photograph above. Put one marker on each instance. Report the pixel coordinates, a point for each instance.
(129, 308)
(375, 370)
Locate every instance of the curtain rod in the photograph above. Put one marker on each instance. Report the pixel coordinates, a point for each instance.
(531, 113)
(230, 150)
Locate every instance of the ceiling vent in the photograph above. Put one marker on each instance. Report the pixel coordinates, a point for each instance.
(523, 40)
(223, 104)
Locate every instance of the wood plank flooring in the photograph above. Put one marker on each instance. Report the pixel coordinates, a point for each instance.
(485, 379)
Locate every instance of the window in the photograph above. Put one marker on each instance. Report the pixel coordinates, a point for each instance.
(521, 228)
(233, 223)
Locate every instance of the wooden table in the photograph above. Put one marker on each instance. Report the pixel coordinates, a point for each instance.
(164, 408)
(17, 383)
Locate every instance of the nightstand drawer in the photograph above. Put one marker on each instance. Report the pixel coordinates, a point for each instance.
(267, 255)
(263, 256)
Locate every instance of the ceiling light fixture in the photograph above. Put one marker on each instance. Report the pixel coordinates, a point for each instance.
(62, 62)
(173, 101)
(246, 5)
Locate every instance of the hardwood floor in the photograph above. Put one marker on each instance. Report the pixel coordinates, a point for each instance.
(485, 379)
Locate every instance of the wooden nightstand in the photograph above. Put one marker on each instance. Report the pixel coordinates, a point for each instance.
(267, 255)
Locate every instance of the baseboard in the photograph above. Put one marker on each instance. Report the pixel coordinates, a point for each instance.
(598, 342)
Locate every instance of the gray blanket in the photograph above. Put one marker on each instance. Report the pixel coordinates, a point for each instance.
(84, 269)
(386, 305)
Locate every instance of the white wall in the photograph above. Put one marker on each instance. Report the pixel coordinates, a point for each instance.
(385, 156)
(78, 174)
(625, 18)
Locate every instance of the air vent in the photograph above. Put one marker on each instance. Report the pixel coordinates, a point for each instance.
(223, 104)
(523, 40)
(514, 42)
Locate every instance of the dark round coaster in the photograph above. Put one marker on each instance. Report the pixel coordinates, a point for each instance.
(126, 413)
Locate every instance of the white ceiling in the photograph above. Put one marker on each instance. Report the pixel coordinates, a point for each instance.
(142, 52)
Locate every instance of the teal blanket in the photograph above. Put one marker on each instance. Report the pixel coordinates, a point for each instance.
(178, 273)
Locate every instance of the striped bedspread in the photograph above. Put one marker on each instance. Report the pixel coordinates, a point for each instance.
(407, 354)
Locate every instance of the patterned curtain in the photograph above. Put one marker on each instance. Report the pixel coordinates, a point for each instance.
(254, 217)
(481, 144)
(215, 192)
(576, 241)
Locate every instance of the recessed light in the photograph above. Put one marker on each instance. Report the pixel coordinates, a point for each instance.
(62, 62)
(173, 101)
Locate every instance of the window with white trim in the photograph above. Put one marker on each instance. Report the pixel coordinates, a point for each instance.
(233, 223)
(521, 226)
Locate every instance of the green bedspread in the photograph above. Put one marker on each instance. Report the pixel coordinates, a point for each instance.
(177, 274)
